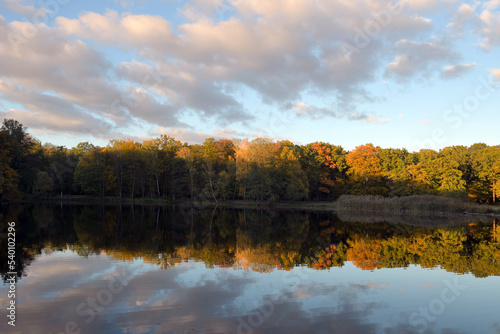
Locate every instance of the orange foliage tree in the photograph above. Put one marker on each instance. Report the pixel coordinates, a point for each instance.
(365, 170)
(325, 158)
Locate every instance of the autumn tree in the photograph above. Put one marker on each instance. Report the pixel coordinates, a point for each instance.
(24, 153)
(254, 161)
(164, 164)
(449, 177)
(60, 164)
(323, 164)
(394, 164)
(365, 170)
(187, 155)
(81, 148)
(94, 173)
(421, 179)
(210, 160)
(226, 168)
(488, 170)
(242, 167)
(289, 181)
(126, 162)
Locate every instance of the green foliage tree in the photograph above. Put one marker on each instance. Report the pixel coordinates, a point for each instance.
(94, 173)
(9, 177)
(60, 164)
(291, 180)
(44, 185)
(24, 153)
(394, 163)
(488, 169)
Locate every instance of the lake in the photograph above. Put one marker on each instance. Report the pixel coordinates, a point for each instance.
(150, 269)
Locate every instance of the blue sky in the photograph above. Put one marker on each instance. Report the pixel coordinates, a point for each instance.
(414, 74)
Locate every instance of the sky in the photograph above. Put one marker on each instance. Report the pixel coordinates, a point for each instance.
(412, 73)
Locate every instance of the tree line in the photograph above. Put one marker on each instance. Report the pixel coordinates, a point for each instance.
(259, 169)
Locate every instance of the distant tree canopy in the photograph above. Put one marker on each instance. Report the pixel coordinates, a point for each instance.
(224, 169)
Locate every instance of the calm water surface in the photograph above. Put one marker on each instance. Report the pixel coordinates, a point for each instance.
(146, 269)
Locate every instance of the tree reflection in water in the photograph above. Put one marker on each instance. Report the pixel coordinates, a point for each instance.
(256, 240)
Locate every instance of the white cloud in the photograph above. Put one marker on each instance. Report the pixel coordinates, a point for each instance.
(28, 10)
(490, 30)
(302, 109)
(50, 112)
(491, 5)
(465, 17)
(260, 44)
(148, 32)
(379, 120)
(426, 5)
(454, 71)
(495, 73)
(480, 18)
(63, 79)
(419, 58)
(186, 88)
